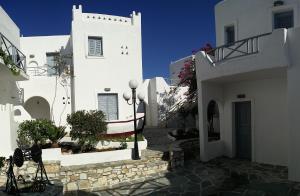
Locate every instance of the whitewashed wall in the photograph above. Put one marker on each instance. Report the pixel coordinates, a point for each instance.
(53, 89)
(293, 97)
(114, 70)
(8, 131)
(9, 29)
(250, 17)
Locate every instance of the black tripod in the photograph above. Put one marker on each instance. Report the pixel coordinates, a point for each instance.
(11, 183)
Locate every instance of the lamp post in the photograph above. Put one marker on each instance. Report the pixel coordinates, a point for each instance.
(133, 84)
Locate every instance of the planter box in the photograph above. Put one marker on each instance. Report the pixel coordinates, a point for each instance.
(107, 144)
(95, 157)
(54, 154)
(51, 154)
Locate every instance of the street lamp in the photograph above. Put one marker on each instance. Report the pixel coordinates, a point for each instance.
(133, 84)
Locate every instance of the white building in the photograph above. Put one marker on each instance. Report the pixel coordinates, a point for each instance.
(251, 84)
(11, 95)
(104, 53)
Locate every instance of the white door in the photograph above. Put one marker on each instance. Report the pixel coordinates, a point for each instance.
(108, 103)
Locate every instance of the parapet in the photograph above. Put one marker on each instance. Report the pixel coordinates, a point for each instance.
(134, 19)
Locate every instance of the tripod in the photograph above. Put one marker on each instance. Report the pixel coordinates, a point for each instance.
(11, 183)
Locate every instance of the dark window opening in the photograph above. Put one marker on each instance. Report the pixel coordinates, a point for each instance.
(229, 35)
(213, 121)
(284, 20)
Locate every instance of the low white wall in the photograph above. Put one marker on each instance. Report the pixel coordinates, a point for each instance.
(54, 154)
(21, 114)
(86, 158)
(8, 133)
(109, 144)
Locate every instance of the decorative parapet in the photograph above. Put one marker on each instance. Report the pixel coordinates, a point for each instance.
(134, 18)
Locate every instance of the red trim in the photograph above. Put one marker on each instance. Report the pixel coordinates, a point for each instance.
(113, 135)
(126, 121)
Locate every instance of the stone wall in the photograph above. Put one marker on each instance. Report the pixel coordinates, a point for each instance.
(94, 176)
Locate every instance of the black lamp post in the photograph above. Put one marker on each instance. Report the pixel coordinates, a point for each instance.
(133, 84)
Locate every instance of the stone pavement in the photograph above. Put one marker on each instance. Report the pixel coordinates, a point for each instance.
(220, 177)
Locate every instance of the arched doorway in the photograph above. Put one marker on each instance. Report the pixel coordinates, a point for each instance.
(213, 121)
(38, 108)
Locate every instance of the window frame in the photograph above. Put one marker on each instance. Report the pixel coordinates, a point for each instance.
(48, 67)
(88, 46)
(118, 104)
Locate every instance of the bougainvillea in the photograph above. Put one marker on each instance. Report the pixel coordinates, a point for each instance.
(187, 76)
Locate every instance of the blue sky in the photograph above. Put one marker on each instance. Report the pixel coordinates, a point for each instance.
(171, 29)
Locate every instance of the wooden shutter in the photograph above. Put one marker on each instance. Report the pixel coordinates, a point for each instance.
(108, 104)
(95, 46)
(92, 48)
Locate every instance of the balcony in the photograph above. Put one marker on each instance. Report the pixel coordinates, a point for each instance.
(12, 58)
(244, 47)
(266, 52)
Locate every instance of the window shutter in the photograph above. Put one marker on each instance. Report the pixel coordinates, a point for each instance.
(91, 46)
(108, 104)
(98, 43)
(112, 107)
(95, 46)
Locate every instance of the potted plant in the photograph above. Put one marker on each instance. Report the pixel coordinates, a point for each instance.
(55, 134)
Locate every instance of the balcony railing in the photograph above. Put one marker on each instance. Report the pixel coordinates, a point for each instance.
(237, 49)
(12, 52)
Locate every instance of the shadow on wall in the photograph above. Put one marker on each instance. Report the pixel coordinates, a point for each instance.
(38, 108)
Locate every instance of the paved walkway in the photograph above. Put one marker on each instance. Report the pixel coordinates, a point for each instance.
(220, 177)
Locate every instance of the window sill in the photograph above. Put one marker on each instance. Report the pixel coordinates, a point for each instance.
(94, 57)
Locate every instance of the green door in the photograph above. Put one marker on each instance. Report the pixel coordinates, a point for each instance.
(243, 129)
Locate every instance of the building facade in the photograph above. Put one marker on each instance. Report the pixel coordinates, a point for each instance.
(102, 54)
(249, 84)
(11, 72)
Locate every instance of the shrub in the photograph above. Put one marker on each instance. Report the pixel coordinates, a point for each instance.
(33, 131)
(86, 127)
(55, 134)
(39, 131)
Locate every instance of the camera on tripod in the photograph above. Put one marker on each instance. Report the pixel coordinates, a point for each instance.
(41, 179)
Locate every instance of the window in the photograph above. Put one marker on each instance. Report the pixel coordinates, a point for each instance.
(284, 20)
(51, 63)
(229, 35)
(95, 46)
(108, 104)
(213, 121)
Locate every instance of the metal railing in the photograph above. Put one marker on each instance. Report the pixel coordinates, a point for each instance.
(236, 49)
(12, 52)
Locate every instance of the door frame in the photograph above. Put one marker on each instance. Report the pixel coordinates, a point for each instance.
(253, 159)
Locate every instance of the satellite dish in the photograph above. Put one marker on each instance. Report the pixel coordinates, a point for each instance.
(36, 153)
(18, 157)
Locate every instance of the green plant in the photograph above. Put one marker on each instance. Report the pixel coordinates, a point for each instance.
(33, 131)
(86, 127)
(123, 145)
(8, 61)
(55, 134)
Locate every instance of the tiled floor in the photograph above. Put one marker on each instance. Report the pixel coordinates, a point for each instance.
(218, 177)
